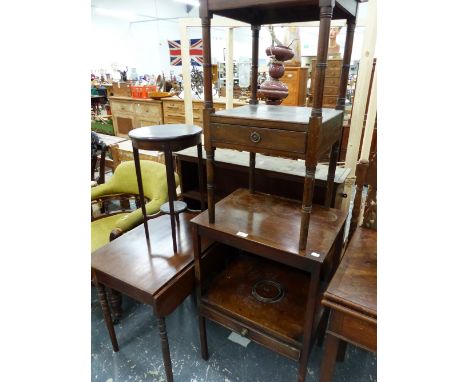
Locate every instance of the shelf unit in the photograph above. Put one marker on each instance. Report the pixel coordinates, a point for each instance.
(294, 234)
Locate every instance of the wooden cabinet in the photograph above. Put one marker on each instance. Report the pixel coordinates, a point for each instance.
(174, 110)
(130, 113)
(332, 82)
(296, 80)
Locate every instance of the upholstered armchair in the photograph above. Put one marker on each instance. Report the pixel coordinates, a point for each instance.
(111, 202)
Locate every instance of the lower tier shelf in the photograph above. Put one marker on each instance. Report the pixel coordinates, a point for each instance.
(239, 299)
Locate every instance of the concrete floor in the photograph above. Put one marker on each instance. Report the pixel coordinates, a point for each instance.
(140, 358)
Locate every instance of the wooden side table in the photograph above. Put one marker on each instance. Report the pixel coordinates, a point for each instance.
(352, 300)
(166, 138)
(285, 131)
(266, 228)
(162, 281)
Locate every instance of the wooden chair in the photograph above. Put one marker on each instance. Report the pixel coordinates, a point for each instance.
(352, 294)
(98, 148)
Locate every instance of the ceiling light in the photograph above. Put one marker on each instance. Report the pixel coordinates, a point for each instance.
(195, 3)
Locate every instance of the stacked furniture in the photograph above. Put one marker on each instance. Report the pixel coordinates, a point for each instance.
(352, 293)
(270, 291)
(332, 82)
(296, 80)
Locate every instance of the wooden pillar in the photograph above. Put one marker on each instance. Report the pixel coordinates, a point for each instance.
(315, 121)
(208, 105)
(350, 28)
(254, 68)
(253, 96)
(340, 105)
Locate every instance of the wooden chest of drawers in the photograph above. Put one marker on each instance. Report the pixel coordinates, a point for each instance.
(332, 82)
(296, 80)
(130, 113)
(174, 110)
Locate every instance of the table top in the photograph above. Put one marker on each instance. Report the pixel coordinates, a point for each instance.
(158, 133)
(277, 11)
(269, 163)
(126, 259)
(354, 285)
(294, 115)
(273, 223)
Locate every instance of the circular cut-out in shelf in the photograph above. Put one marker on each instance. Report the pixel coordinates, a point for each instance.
(268, 291)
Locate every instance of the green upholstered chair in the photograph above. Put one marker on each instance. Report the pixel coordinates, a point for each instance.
(123, 187)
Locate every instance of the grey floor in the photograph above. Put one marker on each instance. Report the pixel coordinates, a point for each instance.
(140, 358)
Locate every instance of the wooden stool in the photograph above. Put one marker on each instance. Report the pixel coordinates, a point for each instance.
(167, 138)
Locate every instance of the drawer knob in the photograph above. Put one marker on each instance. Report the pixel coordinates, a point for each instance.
(255, 137)
(244, 332)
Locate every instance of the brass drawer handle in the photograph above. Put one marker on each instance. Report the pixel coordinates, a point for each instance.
(255, 137)
(244, 332)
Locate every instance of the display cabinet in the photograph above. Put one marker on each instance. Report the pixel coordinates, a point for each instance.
(271, 291)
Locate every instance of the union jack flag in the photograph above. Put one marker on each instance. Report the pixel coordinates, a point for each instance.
(196, 52)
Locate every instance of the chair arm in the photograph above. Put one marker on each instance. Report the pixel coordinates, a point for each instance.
(135, 218)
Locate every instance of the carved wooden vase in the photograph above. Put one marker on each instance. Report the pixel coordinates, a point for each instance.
(273, 90)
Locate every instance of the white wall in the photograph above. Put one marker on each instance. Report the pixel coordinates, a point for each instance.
(143, 44)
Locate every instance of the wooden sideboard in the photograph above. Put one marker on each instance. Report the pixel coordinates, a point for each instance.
(296, 80)
(130, 113)
(174, 110)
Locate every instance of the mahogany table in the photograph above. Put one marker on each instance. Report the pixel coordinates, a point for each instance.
(166, 138)
(162, 280)
(266, 229)
(352, 300)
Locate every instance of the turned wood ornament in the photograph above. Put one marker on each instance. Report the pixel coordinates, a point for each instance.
(273, 90)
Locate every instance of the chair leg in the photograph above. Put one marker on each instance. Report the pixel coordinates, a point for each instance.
(116, 305)
(107, 316)
(203, 341)
(165, 349)
(329, 358)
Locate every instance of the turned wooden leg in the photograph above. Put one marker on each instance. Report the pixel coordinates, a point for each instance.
(141, 191)
(210, 157)
(203, 341)
(201, 183)
(329, 358)
(107, 316)
(171, 190)
(331, 174)
(165, 349)
(116, 305)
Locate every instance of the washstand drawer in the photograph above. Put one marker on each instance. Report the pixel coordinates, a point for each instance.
(251, 332)
(261, 138)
